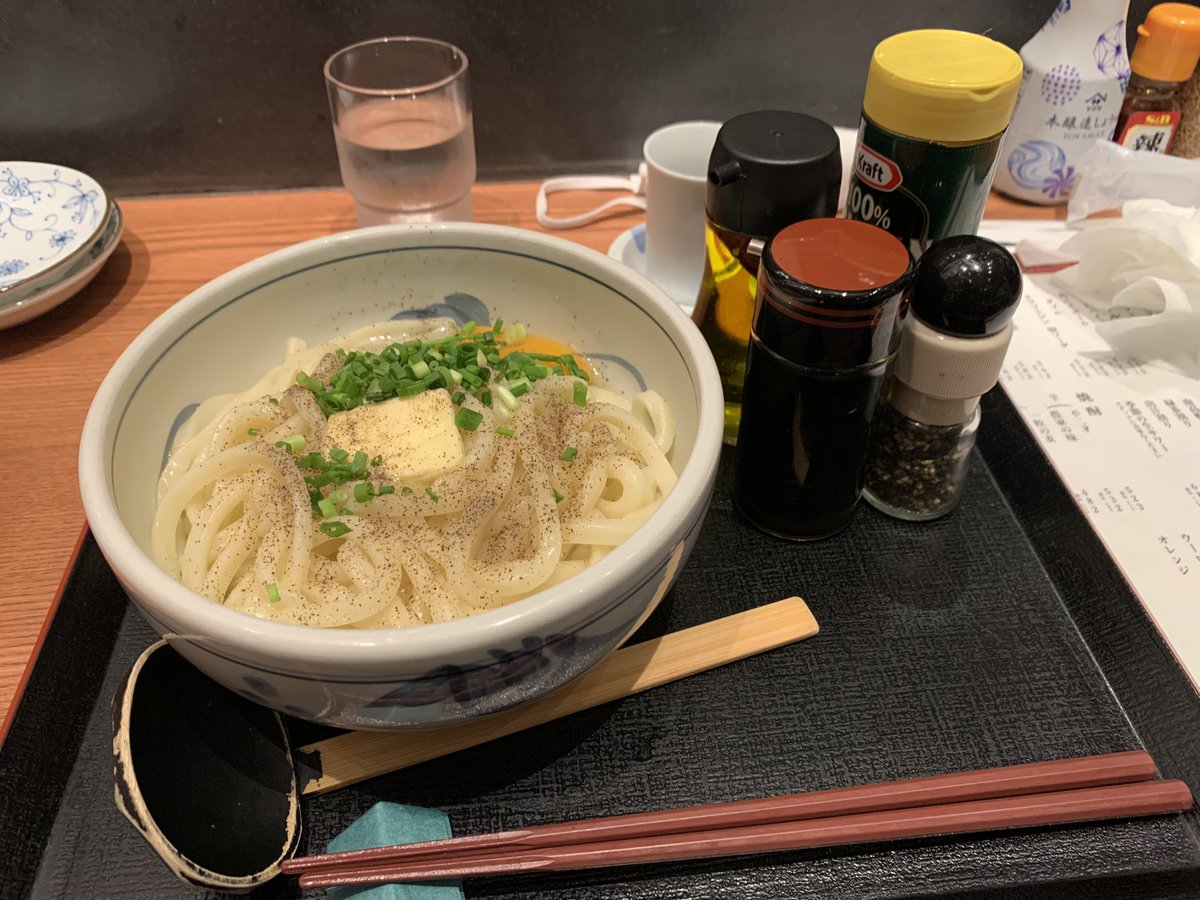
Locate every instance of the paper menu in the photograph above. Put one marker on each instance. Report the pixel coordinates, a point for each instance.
(1125, 439)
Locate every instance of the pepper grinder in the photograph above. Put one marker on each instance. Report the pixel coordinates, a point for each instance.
(965, 294)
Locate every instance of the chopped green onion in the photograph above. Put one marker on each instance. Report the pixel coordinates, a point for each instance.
(432, 495)
(581, 392)
(360, 461)
(467, 419)
(293, 444)
(507, 432)
(363, 491)
(455, 376)
(406, 490)
(327, 507)
(333, 529)
(385, 489)
(468, 328)
(338, 496)
(506, 397)
(420, 368)
(516, 334)
(480, 359)
(519, 389)
(569, 454)
(411, 389)
(498, 327)
(253, 432)
(338, 454)
(457, 398)
(273, 592)
(377, 460)
(486, 398)
(272, 401)
(558, 498)
(312, 461)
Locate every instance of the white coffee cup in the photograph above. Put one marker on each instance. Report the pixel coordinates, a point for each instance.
(676, 172)
(669, 185)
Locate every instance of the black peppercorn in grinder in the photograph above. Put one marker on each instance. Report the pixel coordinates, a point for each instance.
(965, 294)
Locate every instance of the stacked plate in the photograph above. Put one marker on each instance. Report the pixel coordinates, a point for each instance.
(57, 228)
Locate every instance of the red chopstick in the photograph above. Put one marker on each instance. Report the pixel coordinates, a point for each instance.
(1054, 808)
(1055, 775)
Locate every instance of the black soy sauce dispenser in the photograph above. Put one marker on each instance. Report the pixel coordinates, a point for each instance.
(965, 294)
(832, 294)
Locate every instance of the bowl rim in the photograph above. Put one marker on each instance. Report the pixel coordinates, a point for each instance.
(373, 648)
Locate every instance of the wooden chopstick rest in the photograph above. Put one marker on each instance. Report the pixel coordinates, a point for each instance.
(357, 756)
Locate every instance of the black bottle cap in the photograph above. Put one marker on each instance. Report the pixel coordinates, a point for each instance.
(966, 285)
(772, 168)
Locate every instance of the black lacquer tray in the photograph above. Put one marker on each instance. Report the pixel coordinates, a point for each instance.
(1001, 634)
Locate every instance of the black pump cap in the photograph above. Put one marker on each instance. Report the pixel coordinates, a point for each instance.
(772, 168)
(966, 285)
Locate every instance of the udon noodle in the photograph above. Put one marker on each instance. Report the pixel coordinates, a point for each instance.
(540, 492)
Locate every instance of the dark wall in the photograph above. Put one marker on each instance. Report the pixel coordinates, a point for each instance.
(157, 96)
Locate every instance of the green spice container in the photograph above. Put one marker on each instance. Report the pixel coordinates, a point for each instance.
(934, 112)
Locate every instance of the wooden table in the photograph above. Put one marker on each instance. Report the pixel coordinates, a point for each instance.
(50, 367)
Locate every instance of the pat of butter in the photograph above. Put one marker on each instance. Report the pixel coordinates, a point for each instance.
(416, 436)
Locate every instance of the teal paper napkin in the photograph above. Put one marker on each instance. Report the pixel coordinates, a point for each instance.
(385, 824)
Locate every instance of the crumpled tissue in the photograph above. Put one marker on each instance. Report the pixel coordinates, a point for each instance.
(385, 824)
(1143, 267)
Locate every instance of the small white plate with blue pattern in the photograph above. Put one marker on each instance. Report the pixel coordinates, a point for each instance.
(50, 218)
(630, 248)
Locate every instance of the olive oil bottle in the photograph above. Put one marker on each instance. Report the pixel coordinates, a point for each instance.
(724, 308)
(767, 170)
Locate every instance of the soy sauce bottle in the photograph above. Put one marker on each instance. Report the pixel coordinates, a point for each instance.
(832, 294)
(767, 170)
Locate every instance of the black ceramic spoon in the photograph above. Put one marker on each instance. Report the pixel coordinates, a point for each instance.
(209, 779)
(204, 774)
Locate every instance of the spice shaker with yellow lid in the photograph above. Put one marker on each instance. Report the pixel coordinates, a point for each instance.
(935, 109)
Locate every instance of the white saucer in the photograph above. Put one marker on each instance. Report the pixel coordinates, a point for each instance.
(30, 297)
(630, 249)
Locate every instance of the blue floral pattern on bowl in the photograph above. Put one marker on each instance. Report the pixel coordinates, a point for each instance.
(47, 212)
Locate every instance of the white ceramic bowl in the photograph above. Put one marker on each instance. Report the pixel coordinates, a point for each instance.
(224, 335)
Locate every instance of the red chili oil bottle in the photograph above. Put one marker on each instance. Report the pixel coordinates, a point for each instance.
(832, 294)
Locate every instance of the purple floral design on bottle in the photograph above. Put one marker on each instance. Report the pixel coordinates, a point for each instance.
(1059, 183)
(1042, 166)
(1109, 53)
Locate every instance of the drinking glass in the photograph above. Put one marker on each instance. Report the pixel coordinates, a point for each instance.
(401, 113)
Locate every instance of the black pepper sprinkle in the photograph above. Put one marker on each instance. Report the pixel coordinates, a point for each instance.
(915, 466)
